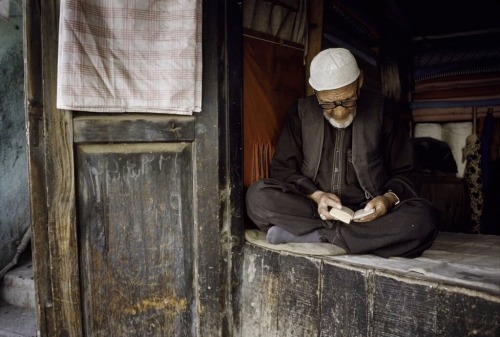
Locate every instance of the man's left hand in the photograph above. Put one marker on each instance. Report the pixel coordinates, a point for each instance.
(381, 204)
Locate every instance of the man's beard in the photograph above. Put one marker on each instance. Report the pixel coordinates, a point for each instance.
(343, 124)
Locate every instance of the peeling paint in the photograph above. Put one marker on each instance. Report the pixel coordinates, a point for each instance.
(251, 270)
(171, 304)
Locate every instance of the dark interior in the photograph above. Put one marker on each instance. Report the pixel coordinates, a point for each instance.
(427, 17)
(439, 60)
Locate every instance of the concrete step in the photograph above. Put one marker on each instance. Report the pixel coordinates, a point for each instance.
(17, 321)
(17, 302)
(18, 287)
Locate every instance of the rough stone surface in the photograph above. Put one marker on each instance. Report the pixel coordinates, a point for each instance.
(17, 321)
(17, 287)
(14, 214)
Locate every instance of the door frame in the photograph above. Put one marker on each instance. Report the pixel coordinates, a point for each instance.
(218, 201)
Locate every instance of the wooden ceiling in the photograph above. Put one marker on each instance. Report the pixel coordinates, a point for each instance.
(416, 18)
(445, 17)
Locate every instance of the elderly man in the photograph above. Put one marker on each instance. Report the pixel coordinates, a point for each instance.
(338, 148)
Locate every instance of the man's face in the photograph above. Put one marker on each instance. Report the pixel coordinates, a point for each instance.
(339, 105)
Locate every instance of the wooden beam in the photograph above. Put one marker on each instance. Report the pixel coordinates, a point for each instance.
(51, 175)
(36, 169)
(117, 128)
(315, 37)
(212, 232)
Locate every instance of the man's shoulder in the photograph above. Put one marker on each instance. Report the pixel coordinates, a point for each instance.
(310, 114)
(308, 99)
(307, 105)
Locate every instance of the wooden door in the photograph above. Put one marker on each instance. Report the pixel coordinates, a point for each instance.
(136, 217)
(135, 225)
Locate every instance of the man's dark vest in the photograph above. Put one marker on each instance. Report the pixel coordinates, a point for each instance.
(367, 154)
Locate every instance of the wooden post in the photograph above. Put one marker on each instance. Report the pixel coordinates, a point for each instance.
(51, 172)
(37, 188)
(315, 20)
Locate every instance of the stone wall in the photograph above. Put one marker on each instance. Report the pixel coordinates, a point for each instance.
(14, 206)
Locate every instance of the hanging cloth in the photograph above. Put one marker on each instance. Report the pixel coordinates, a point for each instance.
(274, 81)
(130, 56)
(486, 140)
(472, 177)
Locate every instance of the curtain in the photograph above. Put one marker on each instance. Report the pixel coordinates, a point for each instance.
(273, 81)
(130, 56)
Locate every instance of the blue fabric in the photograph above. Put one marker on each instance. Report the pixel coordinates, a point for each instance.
(423, 74)
(454, 104)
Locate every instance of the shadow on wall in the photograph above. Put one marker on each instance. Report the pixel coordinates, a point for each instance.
(14, 206)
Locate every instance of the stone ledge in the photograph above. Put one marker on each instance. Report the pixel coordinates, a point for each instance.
(282, 293)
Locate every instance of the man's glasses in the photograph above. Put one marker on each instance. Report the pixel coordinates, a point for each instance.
(348, 103)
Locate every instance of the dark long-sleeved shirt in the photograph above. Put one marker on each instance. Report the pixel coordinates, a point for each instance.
(336, 172)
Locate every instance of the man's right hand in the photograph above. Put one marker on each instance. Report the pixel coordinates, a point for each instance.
(325, 201)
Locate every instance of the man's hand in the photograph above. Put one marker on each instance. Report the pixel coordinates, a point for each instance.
(325, 201)
(381, 204)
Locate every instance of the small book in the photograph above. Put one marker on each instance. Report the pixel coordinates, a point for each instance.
(345, 214)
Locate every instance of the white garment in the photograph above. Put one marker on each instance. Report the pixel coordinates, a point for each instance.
(130, 56)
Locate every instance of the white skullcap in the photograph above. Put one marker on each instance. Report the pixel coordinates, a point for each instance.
(332, 69)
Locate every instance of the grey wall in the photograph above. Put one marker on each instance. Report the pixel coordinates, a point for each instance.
(14, 207)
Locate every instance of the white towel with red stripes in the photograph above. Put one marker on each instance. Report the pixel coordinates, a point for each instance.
(130, 56)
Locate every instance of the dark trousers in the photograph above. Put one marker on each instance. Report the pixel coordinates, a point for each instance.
(406, 230)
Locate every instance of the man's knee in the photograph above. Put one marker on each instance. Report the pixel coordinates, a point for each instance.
(260, 201)
(423, 215)
(259, 197)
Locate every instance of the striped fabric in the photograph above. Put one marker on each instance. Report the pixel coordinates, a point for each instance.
(130, 56)
(4, 9)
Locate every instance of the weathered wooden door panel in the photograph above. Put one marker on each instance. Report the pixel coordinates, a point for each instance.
(122, 245)
(135, 232)
(92, 128)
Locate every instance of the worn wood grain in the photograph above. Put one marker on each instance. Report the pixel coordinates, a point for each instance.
(65, 319)
(233, 166)
(467, 313)
(260, 292)
(135, 220)
(298, 312)
(363, 299)
(132, 128)
(345, 301)
(315, 36)
(33, 94)
(211, 240)
(403, 308)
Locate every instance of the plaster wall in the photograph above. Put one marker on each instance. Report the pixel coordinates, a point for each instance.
(14, 205)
